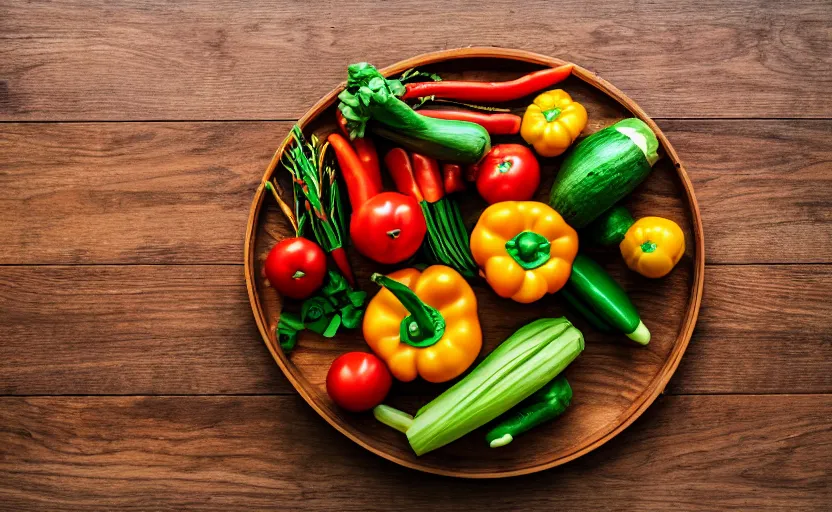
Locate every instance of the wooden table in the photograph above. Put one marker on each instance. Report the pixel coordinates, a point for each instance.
(134, 134)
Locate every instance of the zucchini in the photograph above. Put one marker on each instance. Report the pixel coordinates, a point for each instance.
(593, 292)
(608, 229)
(603, 169)
(370, 96)
(529, 359)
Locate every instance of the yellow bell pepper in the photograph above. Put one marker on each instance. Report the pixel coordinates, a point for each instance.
(524, 249)
(652, 246)
(424, 323)
(553, 122)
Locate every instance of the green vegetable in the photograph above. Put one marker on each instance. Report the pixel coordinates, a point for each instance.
(369, 95)
(593, 292)
(525, 362)
(602, 169)
(335, 305)
(609, 228)
(546, 404)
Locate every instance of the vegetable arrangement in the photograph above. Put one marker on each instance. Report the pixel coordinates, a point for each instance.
(423, 322)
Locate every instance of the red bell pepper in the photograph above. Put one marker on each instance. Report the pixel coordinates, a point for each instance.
(488, 92)
(495, 124)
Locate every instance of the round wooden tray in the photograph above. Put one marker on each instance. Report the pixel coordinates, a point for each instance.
(614, 381)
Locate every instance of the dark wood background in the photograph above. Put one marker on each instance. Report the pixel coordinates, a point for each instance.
(133, 135)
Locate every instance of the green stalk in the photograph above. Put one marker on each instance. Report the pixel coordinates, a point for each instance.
(425, 325)
(530, 358)
(447, 237)
(368, 95)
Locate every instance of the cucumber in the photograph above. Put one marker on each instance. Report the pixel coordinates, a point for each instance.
(603, 169)
(592, 291)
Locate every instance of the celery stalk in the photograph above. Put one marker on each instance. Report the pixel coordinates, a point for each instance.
(521, 365)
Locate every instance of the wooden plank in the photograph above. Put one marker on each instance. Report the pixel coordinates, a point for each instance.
(764, 188)
(216, 453)
(130, 193)
(229, 59)
(146, 192)
(189, 329)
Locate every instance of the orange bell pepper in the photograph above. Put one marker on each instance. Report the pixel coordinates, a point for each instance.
(524, 249)
(424, 323)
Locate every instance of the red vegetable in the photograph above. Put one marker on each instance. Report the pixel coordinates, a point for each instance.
(296, 267)
(401, 170)
(452, 178)
(361, 185)
(428, 177)
(389, 228)
(486, 92)
(358, 381)
(365, 150)
(509, 172)
(495, 124)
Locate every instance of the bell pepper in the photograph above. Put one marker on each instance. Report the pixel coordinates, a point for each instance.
(524, 249)
(651, 246)
(424, 323)
(553, 122)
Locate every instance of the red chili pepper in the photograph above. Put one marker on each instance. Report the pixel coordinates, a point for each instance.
(489, 91)
(471, 172)
(452, 178)
(360, 185)
(428, 177)
(401, 170)
(366, 151)
(339, 256)
(495, 124)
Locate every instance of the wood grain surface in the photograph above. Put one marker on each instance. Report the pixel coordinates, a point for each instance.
(121, 246)
(146, 192)
(205, 59)
(220, 453)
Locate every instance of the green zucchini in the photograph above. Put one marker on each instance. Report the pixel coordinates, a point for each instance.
(546, 404)
(608, 229)
(591, 289)
(370, 96)
(603, 169)
(528, 360)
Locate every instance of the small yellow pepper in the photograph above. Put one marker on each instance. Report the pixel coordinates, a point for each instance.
(652, 246)
(424, 323)
(524, 249)
(553, 122)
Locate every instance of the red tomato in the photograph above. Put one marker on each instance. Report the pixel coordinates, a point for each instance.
(296, 267)
(358, 381)
(509, 172)
(388, 228)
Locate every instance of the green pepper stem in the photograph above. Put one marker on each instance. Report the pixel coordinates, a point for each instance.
(425, 325)
(529, 249)
(551, 114)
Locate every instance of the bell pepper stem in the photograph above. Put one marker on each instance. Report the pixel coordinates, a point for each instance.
(529, 249)
(425, 325)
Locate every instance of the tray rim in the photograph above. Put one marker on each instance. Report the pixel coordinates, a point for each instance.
(647, 396)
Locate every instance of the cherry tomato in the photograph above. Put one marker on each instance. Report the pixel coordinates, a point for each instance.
(388, 228)
(358, 381)
(509, 172)
(296, 267)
